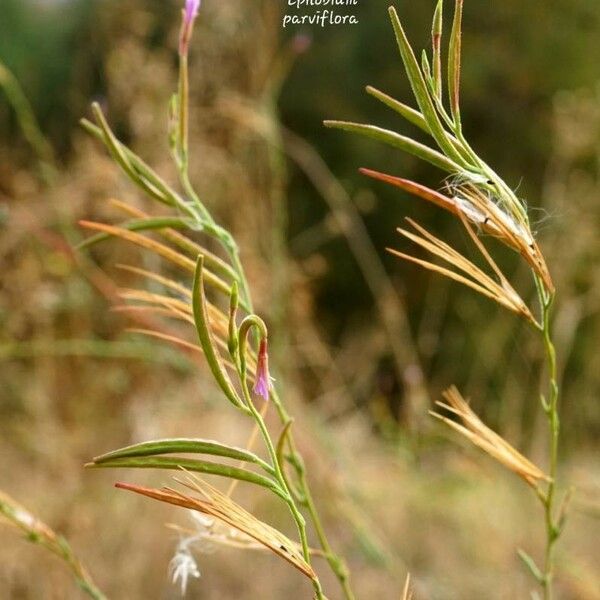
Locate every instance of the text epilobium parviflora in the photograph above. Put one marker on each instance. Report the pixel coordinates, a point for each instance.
(320, 18)
(323, 3)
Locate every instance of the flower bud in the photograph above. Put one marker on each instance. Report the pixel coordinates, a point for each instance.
(262, 382)
(190, 13)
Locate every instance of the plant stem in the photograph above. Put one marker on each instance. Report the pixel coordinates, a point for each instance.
(551, 409)
(202, 214)
(336, 563)
(297, 516)
(29, 125)
(61, 548)
(205, 220)
(39, 533)
(236, 263)
(184, 94)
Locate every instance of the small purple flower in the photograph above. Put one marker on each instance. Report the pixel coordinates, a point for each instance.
(189, 16)
(262, 382)
(191, 10)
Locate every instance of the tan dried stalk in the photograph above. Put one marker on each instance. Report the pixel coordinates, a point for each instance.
(218, 505)
(489, 441)
(473, 204)
(407, 593)
(468, 274)
(38, 532)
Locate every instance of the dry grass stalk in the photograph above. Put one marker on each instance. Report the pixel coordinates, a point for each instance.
(516, 235)
(166, 252)
(469, 274)
(176, 238)
(215, 533)
(176, 309)
(143, 241)
(407, 593)
(180, 307)
(39, 533)
(471, 203)
(170, 284)
(217, 505)
(176, 306)
(13, 513)
(184, 344)
(172, 339)
(482, 436)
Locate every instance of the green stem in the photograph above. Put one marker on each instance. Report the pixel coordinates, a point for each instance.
(551, 409)
(181, 151)
(236, 263)
(297, 516)
(206, 221)
(336, 562)
(61, 548)
(203, 215)
(184, 93)
(29, 125)
(255, 322)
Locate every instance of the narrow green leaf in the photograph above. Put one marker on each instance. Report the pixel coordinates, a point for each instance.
(170, 254)
(198, 466)
(421, 92)
(283, 437)
(150, 176)
(436, 43)
(426, 70)
(135, 168)
(399, 141)
(181, 241)
(112, 143)
(232, 330)
(206, 340)
(118, 151)
(139, 225)
(454, 63)
(531, 566)
(185, 445)
(410, 114)
(173, 118)
(27, 120)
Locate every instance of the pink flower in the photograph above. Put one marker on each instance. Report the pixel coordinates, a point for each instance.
(191, 10)
(189, 16)
(262, 382)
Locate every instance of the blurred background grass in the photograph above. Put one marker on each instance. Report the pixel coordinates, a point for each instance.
(368, 340)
